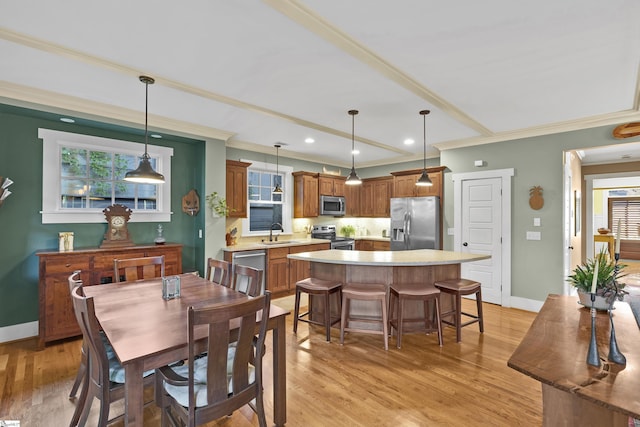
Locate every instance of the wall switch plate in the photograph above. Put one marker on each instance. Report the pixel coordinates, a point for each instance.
(450, 231)
(536, 222)
(200, 234)
(533, 235)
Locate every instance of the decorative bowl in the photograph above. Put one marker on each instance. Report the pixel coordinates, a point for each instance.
(604, 231)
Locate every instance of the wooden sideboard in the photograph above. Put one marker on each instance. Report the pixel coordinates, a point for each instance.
(56, 317)
(554, 352)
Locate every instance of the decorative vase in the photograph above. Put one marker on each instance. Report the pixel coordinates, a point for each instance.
(601, 303)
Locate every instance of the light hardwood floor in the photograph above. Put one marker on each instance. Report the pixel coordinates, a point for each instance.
(358, 384)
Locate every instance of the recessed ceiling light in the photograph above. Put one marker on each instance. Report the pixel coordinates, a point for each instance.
(155, 135)
(355, 152)
(408, 141)
(309, 140)
(67, 120)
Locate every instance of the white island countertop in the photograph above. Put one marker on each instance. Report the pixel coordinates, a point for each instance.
(418, 257)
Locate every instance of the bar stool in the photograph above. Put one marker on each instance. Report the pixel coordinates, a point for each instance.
(324, 288)
(457, 288)
(364, 292)
(399, 294)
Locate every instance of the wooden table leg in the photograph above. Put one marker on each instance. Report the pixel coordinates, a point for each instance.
(133, 394)
(279, 373)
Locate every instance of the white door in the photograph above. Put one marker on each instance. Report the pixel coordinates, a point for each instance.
(481, 234)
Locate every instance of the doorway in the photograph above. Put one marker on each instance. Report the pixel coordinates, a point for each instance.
(482, 220)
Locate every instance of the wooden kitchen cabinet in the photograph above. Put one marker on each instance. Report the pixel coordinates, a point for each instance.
(352, 199)
(372, 245)
(56, 317)
(283, 273)
(305, 195)
(277, 270)
(374, 197)
(330, 185)
(236, 193)
(405, 183)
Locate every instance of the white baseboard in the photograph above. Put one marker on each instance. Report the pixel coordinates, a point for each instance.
(18, 332)
(525, 304)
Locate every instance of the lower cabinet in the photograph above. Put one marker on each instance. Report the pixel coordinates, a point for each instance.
(372, 245)
(56, 317)
(283, 273)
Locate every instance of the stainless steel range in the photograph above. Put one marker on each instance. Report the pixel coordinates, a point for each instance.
(328, 232)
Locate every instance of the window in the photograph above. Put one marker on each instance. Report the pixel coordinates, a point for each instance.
(266, 208)
(627, 211)
(84, 174)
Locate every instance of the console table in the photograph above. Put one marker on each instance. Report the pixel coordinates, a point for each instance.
(554, 352)
(56, 318)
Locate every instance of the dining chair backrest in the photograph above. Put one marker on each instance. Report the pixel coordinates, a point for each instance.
(232, 375)
(219, 271)
(247, 280)
(126, 270)
(74, 280)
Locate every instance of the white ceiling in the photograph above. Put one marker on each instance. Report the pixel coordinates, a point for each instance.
(257, 73)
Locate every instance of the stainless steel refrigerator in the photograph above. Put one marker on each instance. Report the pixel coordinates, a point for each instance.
(415, 223)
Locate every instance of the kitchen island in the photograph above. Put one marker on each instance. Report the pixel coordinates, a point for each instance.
(424, 266)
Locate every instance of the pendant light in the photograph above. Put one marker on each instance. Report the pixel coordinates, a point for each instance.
(145, 173)
(424, 180)
(353, 178)
(277, 189)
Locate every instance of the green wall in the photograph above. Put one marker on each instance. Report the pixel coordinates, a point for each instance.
(536, 266)
(23, 233)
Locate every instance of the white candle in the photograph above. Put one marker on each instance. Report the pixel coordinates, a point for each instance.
(594, 284)
(617, 250)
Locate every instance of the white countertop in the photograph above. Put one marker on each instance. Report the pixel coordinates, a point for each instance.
(252, 246)
(418, 257)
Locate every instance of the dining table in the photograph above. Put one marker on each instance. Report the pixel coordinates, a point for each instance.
(147, 332)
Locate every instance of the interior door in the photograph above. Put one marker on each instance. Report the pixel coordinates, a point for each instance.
(481, 234)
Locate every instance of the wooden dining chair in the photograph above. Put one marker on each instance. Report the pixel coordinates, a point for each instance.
(228, 377)
(75, 281)
(247, 280)
(218, 271)
(138, 268)
(105, 375)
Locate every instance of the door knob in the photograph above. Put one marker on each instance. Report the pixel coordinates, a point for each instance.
(465, 244)
(571, 247)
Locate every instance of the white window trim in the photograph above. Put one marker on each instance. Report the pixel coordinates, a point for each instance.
(287, 188)
(52, 143)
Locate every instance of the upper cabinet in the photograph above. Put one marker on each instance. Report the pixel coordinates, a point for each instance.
(404, 183)
(305, 194)
(374, 197)
(237, 188)
(352, 199)
(330, 185)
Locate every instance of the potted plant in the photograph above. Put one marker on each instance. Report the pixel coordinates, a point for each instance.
(348, 230)
(607, 286)
(218, 205)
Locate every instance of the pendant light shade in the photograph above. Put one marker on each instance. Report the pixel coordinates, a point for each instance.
(353, 178)
(424, 180)
(277, 189)
(145, 174)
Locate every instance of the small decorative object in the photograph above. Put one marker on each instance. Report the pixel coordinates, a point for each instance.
(330, 172)
(4, 193)
(159, 240)
(606, 276)
(191, 203)
(593, 358)
(65, 241)
(117, 232)
(218, 205)
(347, 230)
(604, 230)
(536, 201)
(170, 287)
(615, 355)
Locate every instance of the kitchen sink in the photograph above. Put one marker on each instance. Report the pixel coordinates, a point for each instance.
(280, 242)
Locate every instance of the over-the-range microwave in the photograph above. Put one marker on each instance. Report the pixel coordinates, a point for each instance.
(332, 205)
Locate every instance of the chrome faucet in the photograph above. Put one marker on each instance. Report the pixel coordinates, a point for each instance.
(271, 231)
